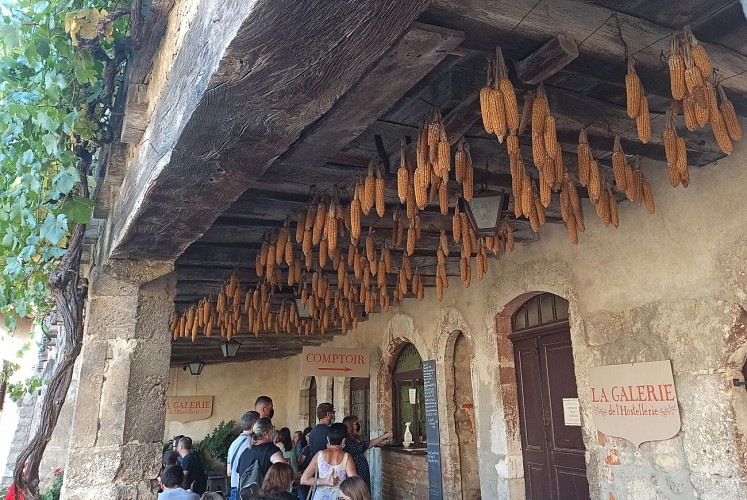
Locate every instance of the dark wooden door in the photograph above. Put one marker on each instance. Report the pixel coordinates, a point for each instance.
(554, 466)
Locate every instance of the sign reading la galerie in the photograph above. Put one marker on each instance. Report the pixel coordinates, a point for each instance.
(636, 401)
(334, 362)
(188, 408)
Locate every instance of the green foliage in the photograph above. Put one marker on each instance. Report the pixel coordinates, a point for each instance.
(53, 493)
(50, 102)
(217, 442)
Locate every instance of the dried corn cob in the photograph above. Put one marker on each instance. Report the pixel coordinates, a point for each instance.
(584, 157)
(595, 182)
(648, 197)
(444, 242)
(681, 161)
(355, 218)
(319, 222)
(698, 53)
(643, 120)
(468, 182)
(729, 115)
(688, 110)
(696, 85)
(456, 225)
(421, 185)
(572, 231)
(510, 106)
(410, 248)
(380, 207)
(460, 160)
(676, 69)
(443, 197)
(633, 90)
(718, 126)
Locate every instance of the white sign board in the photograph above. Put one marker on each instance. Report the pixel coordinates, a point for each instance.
(188, 408)
(333, 362)
(571, 412)
(636, 401)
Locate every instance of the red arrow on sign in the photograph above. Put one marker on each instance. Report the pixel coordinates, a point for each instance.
(346, 369)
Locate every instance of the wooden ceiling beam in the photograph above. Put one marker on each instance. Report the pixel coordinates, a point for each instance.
(276, 71)
(521, 26)
(546, 61)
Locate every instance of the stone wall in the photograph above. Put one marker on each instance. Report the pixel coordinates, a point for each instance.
(672, 285)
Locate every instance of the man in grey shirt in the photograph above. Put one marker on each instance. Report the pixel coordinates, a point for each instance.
(171, 482)
(238, 446)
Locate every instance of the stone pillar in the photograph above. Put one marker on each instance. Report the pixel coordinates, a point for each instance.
(115, 441)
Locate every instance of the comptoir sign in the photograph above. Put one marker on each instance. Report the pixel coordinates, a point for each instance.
(331, 362)
(636, 401)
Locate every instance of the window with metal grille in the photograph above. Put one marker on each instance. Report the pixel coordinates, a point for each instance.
(543, 309)
(407, 381)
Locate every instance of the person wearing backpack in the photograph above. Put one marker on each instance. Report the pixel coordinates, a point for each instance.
(257, 459)
(238, 446)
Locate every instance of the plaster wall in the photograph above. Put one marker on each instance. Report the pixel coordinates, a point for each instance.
(672, 285)
(235, 387)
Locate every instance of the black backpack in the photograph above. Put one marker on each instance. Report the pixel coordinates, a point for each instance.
(250, 481)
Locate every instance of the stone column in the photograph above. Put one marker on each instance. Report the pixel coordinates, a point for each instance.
(118, 423)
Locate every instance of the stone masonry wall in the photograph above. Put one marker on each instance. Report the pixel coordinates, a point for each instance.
(672, 285)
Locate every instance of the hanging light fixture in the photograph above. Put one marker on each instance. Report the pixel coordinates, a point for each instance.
(229, 349)
(303, 310)
(484, 211)
(195, 368)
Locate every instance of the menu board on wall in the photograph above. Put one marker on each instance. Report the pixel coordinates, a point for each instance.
(431, 427)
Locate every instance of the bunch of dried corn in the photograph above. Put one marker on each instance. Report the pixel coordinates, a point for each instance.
(498, 99)
(637, 102)
(693, 82)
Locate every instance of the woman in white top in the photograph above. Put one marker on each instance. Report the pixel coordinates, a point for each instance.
(330, 467)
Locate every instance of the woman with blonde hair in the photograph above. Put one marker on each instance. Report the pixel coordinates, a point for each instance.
(354, 488)
(358, 445)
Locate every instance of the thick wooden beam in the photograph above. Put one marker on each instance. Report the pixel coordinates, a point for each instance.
(521, 26)
(419, 51)
(266, 72)
(549, 59)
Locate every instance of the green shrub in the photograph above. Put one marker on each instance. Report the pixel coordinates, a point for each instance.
(216, 443)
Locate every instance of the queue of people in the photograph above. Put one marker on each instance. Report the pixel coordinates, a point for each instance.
(263, 462)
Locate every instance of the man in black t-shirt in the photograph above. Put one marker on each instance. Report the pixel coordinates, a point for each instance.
(325, 412)
(194, 473)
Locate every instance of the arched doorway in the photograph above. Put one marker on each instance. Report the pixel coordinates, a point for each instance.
(464, 419)
(553, 449)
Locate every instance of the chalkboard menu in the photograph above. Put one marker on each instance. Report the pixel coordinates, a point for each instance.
(435, 491)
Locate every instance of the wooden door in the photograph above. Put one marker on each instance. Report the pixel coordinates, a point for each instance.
(554, 466)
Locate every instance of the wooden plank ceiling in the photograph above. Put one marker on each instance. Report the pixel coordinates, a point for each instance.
(440, 62)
